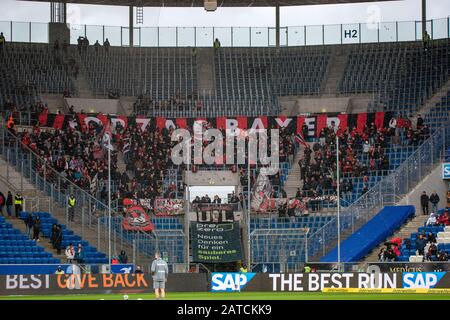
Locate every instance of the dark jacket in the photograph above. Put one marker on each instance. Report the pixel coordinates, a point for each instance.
(79, 255)
(123, 258)
(424, 199)
(29, 221)
(434, 198)
(421, 243)
(58, 238)
(9, 200)
(37, 224)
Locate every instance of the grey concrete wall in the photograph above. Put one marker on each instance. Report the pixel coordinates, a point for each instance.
(433, 182)
(58, 31)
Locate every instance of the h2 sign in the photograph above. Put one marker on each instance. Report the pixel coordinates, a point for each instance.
(229, 282)
(446, 170)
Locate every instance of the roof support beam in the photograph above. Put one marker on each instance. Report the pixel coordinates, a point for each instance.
(131, 26)
(277, 25)
(424, 19)
(58, 12)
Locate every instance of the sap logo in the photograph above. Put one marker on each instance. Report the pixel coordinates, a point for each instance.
(425, 280)
(229, 282)
(446, 170)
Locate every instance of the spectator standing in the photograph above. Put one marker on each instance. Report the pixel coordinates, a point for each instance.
(96, 46)
(106, 45)
(36, 228)
(53, 235)
(79, 254)
(434, 199)
(18, 203)
(123, 258)
(217, 199)
(58, 239)
(421, 242)
(216, 44)
(29, 223)
(2, 41)
(424, 202)
(70, 253)
(9, 203)
(71, 202)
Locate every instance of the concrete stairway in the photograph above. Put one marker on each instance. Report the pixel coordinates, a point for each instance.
(81, 83)
(336, 68)
(87, 233)
(404, 232)
(10, 177)
(435, 98)
(206, 79)
(293, 180)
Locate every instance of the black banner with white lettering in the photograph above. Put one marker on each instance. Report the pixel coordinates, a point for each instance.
(310, 125)
(216, 242)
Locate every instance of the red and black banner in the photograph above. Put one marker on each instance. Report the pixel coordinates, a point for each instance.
(314, 123)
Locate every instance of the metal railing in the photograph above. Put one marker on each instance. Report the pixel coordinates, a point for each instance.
(234, 36)
(388, 191)
(88, 212)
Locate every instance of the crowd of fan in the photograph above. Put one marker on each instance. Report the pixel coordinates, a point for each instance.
(80, 157)
(425, 244)
(360, 154)
(75, 155)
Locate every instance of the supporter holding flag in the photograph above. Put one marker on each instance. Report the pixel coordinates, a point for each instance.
(299, 138)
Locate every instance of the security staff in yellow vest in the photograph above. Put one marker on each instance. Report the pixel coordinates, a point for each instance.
(71, 205)
(243, 269)
(18, 204)
(59, 270)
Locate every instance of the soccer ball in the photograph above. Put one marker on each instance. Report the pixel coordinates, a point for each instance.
(125, 297)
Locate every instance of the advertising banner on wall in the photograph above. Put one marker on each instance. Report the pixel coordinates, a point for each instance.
(51, 268)
(216, 242)
(317, 282)
(97, 283)
(446, 171)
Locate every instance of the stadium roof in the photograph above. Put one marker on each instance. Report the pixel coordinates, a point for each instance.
(200, 3)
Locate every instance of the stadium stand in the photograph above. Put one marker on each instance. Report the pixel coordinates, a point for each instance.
(47, 221)
(404, 74)
(371, 234)
(248, 81)
(31, 69)
(437, 233)
(16, 248)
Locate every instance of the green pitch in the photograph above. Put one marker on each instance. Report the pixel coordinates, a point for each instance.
(243, 296)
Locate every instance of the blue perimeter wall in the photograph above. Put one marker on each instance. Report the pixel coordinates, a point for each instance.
(370, 235)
